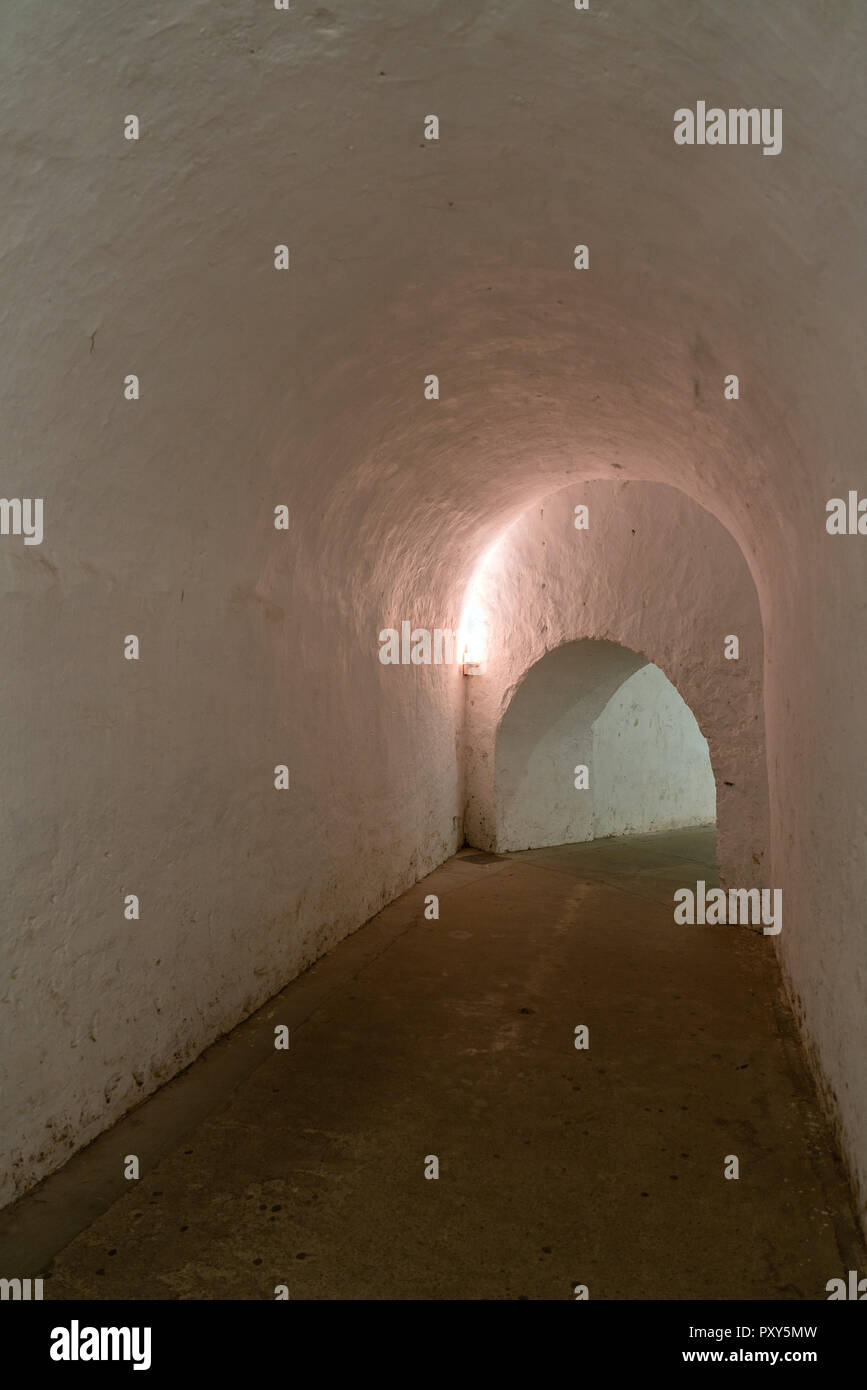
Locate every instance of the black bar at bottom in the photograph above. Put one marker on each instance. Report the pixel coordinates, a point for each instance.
(250, 1339)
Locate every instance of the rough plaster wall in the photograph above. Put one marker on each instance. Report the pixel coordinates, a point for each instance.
(157, 778)
(651, 766)
(305, 127)
(547, 730)
(678, 587)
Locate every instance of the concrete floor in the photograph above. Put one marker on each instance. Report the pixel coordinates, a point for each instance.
(455, 1038)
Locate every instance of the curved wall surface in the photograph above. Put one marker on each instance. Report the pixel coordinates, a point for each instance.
(547, 730)
(651, 764)
(678, 589)
(596, 742)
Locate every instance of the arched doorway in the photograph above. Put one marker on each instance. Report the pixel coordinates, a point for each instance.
(596, 741)
(564, 638)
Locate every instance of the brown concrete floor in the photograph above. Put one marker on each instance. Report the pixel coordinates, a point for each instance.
(455, 1038)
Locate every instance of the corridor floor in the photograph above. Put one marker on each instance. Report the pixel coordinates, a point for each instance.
(455, 1038)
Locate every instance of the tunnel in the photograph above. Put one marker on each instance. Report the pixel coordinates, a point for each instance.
(290, 366)
(647, 763)
(560, 642)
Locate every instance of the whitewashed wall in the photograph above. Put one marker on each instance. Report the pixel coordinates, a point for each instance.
(571, 614)
(651, 765)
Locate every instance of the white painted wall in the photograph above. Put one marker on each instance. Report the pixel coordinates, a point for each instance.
(307, 388)
(547, 730)
(559, 608)
(651, 765)
(597, 704)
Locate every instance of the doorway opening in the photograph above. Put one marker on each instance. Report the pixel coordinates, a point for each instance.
(597, 742)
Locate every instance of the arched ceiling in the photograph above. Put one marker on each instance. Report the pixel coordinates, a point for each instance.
(407, 257)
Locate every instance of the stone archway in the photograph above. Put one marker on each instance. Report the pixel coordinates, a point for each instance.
(571, 766)
(551, 605)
